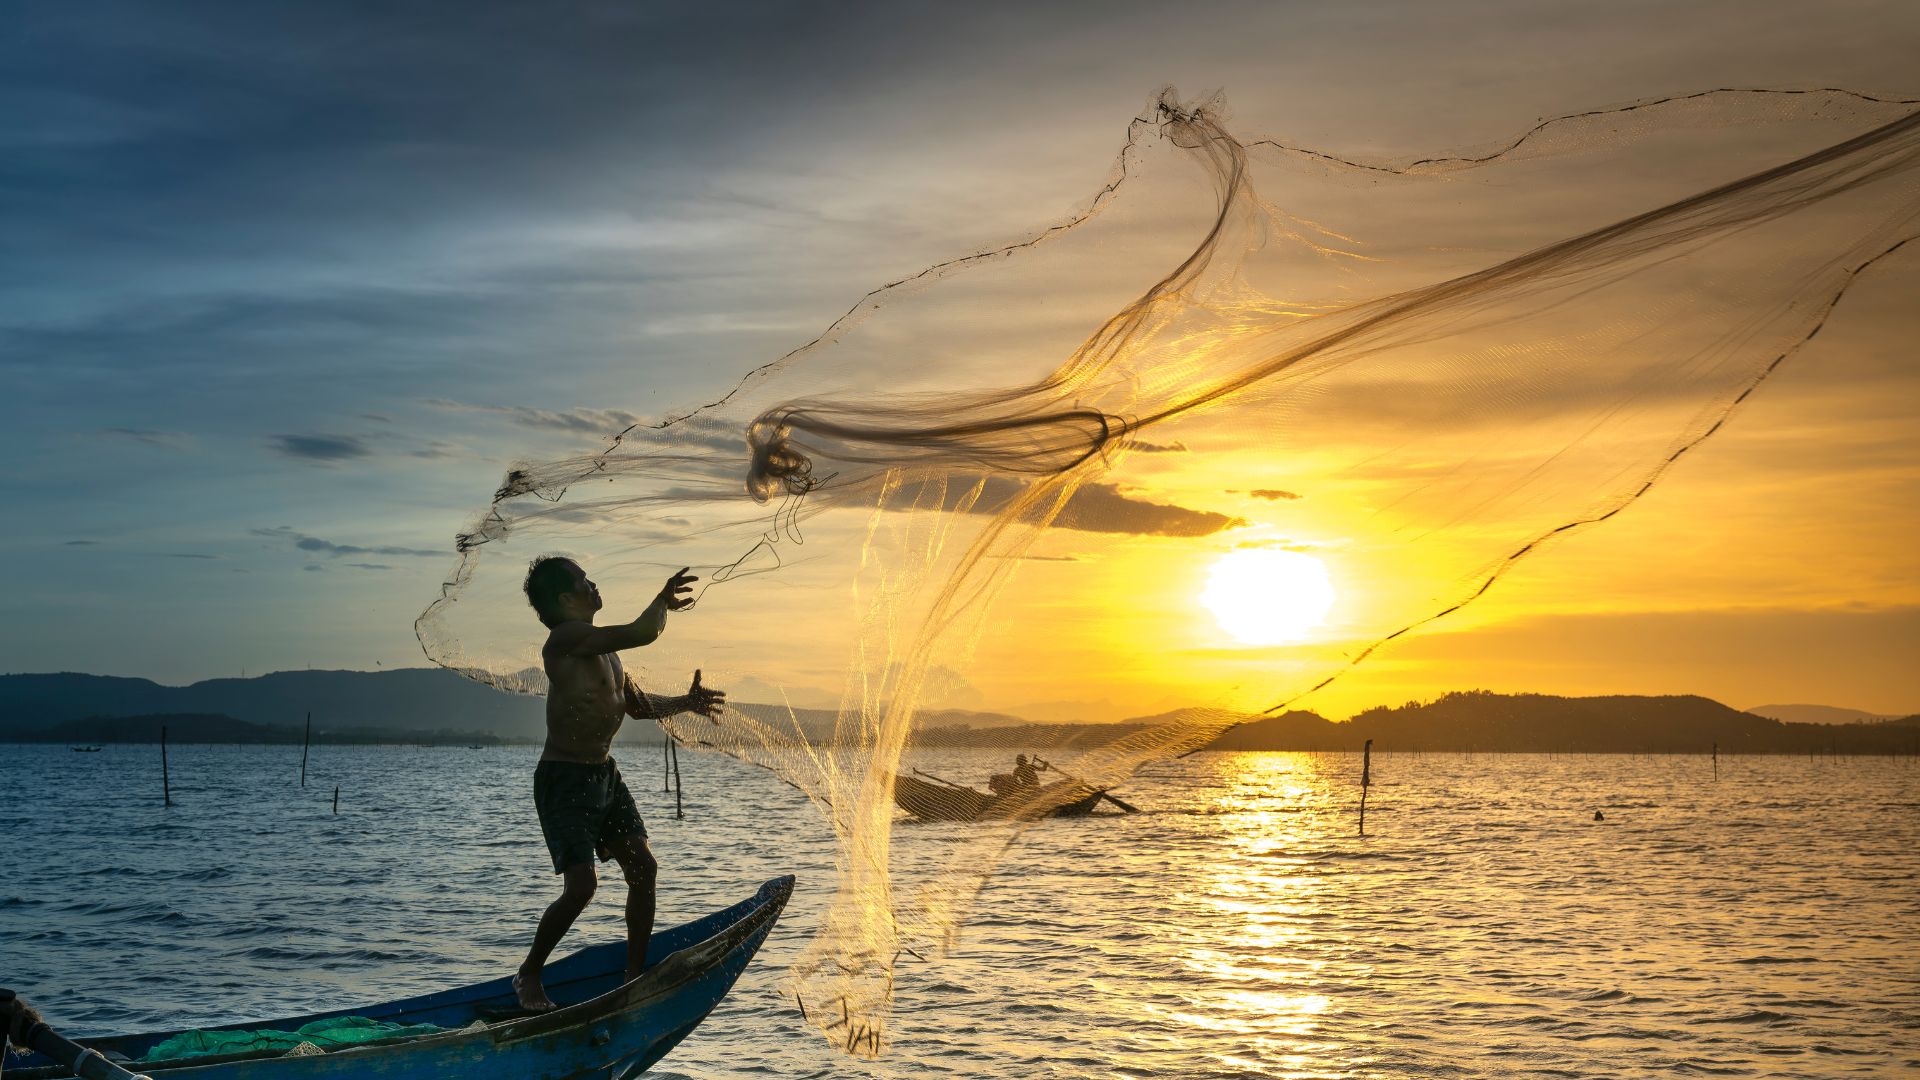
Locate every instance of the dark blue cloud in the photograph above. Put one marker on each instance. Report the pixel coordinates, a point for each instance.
(315, 545)
(327, 448)
(168, 439)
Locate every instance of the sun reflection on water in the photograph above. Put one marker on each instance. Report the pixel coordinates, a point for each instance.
(1267, 991)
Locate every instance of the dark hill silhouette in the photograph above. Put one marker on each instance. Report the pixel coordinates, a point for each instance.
(409, 700)
(1543, 723)
(1818, 714)
(373, 706)
(429, 704)
(1299, 730)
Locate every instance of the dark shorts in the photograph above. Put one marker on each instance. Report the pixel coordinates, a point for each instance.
(583, 808)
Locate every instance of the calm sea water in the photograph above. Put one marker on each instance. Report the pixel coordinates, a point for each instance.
(1764, 924)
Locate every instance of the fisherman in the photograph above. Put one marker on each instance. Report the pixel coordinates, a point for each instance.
(1025, 776)
(584, 806)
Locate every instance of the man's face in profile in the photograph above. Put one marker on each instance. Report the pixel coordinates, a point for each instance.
(585, 595)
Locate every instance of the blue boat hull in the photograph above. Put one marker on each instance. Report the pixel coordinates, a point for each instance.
(604, 1029)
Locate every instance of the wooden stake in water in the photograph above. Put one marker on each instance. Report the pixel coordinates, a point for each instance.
(1716, 761)
(166, 785)
(1366, 781)
(304, 744)
(673, 748)
(336, 798)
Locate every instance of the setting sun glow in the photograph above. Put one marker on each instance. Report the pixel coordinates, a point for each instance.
(1265, 596)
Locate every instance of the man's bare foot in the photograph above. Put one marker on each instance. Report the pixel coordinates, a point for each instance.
(632, 975)
(532, 995)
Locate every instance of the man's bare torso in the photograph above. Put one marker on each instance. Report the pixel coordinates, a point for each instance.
(586, 703)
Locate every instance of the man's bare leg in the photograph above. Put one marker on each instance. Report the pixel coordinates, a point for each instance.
(580, 882)
(641, 871)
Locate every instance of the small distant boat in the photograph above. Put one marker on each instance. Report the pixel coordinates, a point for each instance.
(603, 1029)
(84, 749)
(939, 800)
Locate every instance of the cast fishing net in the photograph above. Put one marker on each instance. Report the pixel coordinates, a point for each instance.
(1419, 372)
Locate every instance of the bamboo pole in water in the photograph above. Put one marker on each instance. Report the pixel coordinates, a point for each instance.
(166, 785)
(1716, 761)
(336, 798)
(673, 748)
(1366, 781)
(304, 744)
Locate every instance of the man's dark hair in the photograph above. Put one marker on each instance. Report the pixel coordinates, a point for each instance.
(547, 580)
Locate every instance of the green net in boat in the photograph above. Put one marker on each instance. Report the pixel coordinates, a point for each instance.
(332, 1034)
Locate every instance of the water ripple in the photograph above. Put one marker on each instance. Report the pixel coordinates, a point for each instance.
(1761, 925)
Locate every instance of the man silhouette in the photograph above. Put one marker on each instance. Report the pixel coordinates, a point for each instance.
(584, 805)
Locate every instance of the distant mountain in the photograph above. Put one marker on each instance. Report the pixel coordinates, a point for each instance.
(1818, 714)
(1543, 723)
(365, 706)
(407, 701)
(429, 704)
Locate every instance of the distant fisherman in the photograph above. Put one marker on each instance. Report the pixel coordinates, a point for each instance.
(585, 808)
(1025, 776)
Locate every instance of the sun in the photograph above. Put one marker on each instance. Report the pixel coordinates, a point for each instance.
(1266, 596)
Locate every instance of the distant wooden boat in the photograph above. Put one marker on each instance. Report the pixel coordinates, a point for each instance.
(933, 801)
(603, 1029)
(84, 749)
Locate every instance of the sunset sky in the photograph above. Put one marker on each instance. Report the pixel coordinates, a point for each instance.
(287, 290)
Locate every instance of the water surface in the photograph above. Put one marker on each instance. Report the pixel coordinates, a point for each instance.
(1761, 924)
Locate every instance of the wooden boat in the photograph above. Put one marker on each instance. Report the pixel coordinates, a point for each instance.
(603, 1029)
(932, 801)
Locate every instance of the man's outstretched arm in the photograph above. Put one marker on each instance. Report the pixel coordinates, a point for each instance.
(698, 699)
(640, 706)
(585, 639)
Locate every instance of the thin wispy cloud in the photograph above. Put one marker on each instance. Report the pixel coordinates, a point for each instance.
(317, 546)
(1104, 508)
(170, 440)
(584, 421)
(321, 448)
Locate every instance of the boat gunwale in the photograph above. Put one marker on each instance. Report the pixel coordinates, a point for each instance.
(657, 983)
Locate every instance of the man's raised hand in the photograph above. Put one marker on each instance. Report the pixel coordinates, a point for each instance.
(704, 701)
(677, 592)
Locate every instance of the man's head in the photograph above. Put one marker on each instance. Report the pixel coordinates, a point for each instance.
(1020, 759)
(559, 590)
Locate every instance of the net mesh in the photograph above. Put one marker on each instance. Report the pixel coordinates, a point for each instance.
(1417, 373)
(308, 1041)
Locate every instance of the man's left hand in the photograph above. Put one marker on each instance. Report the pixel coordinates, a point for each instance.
(704, 700)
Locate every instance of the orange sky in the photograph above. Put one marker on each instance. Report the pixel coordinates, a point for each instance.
(261, 390)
